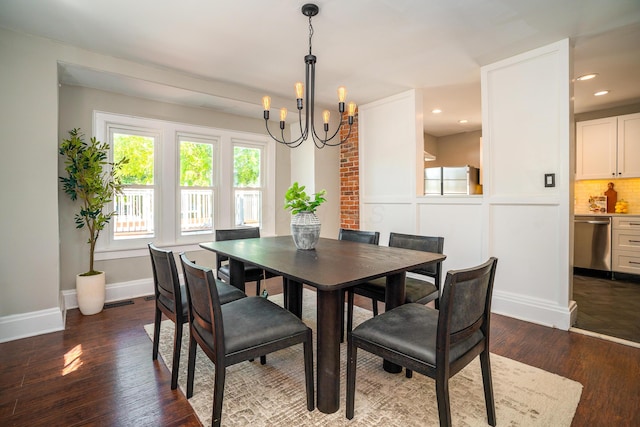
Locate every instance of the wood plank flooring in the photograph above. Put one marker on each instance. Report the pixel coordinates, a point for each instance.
(609, 307)
(99, 372)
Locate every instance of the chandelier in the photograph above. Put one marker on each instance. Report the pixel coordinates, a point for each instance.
(308, 90)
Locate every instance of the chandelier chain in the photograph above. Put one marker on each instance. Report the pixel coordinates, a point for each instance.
(310, 34)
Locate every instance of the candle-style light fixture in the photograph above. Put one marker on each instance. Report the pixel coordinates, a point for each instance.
(308, 96)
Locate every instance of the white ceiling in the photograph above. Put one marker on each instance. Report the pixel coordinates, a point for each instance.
(376, 48)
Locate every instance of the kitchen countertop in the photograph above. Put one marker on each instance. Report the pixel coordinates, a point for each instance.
(606, 214)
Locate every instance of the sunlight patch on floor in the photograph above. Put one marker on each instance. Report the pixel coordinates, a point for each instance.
(72, 360)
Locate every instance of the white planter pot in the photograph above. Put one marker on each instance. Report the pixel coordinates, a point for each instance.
(91, 293)
(305, 229)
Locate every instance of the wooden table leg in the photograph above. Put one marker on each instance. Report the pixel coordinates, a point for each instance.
(394, 296)
(328, 351)
(293, 297)
(236, 274)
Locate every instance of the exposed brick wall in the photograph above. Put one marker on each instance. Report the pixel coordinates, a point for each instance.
(349, 177)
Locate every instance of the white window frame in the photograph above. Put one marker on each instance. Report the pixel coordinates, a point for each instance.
(167, 182)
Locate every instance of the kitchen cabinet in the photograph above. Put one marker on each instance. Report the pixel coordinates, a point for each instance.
(626, 245)
(608, 148)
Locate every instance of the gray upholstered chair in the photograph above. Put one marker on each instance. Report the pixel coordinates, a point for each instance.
(359, 236)
(416, 290)
(227, 333)
(435, 343)
(252, 272)
(171, 299)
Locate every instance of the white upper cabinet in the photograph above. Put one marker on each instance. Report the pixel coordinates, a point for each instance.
(629, 146)
(608, 148)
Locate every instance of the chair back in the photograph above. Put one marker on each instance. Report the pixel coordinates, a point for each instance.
(204, 302)
(421, 243)
(360, 236)
(465, 308)
(165, 279)
(234, 234)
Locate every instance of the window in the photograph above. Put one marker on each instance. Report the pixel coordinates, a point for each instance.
(247, 185)
(182, 182)
(196, 186)
(134, 208)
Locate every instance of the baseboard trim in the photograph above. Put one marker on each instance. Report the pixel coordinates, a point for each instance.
(26, 325)
(115, 292)
(534, 310)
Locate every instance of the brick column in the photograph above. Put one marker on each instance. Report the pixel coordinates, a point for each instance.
(349, 177)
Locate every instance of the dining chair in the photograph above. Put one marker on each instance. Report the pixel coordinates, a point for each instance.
(252, 273)
(435, 343)
(171, 299)
(416, 290)
(359, 236)
(227, 333)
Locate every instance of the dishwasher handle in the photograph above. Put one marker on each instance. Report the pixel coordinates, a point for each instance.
(591, 221)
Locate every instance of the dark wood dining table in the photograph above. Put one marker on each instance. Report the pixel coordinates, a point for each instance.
(330, 268)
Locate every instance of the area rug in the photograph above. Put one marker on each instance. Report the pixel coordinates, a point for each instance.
(274, 394)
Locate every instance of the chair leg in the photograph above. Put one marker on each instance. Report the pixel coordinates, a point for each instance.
(218, 395)
(177, 343)
(408, 373)
(308, 371)
(263, 360)
(442, 395)
(342, 315)
(156, 334)
(350, 295)
(191, 364)
(375, 306)
(488, 387)
(352, 354)
(258, 287)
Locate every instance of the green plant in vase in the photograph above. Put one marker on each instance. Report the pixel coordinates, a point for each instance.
(305, 225)
(92, 180)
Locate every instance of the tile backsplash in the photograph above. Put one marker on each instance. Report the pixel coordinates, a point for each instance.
(628, 189)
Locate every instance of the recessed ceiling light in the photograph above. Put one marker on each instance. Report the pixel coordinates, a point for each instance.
(587, 77)
(436, 111)
(463, 121)
(602, 92)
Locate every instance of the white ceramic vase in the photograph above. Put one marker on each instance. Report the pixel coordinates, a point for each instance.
(91, 293)
(305, 229)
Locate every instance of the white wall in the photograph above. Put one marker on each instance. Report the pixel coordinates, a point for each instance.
(29, 185)
(391, 166)
(527, 122)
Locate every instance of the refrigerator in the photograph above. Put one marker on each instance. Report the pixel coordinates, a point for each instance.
(451, 180)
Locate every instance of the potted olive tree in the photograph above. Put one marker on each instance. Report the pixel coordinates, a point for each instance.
(305, 225)
(92, 181)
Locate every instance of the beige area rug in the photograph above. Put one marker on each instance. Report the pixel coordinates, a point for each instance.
(273, 394)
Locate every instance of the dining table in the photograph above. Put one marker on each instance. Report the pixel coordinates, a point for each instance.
(330, 268)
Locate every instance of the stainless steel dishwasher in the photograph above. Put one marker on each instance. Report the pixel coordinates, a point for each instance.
(592, 242)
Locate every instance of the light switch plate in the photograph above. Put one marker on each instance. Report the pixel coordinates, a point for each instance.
(549, 179)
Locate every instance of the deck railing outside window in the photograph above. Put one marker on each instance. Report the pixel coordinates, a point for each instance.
(134, 213)
(247, 208)
(196, 215)
(134, 209)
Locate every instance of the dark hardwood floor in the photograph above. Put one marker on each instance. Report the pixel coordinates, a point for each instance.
(99, 372)
(609, 307)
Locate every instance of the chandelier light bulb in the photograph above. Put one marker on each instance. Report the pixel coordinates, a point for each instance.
(283, 114)
(351, 109)
(326, 114)
(299, 90)
(342, 93)
(266, 102)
